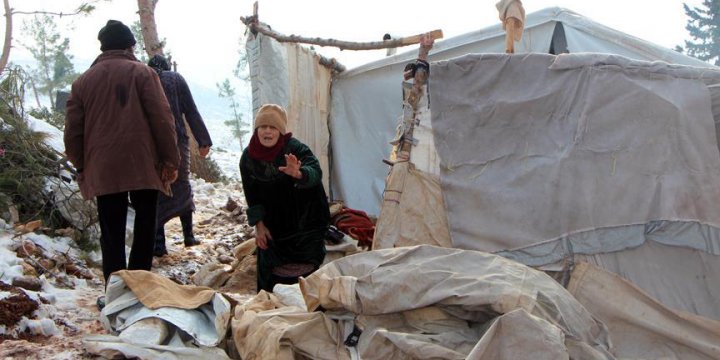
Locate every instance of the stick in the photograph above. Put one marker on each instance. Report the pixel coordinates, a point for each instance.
(255, 26)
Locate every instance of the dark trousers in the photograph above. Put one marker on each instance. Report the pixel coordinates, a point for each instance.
(186, 220)
(112, 215)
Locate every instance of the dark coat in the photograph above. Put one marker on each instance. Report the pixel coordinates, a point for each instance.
(295, 211)
(119, 129)
(184, 109)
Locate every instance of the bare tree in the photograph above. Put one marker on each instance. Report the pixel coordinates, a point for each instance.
(152, 43)
(84, 8)
(8, 36)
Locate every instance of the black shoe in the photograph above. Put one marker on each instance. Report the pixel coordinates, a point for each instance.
(160, 251)
(191, 241)
(100, 302)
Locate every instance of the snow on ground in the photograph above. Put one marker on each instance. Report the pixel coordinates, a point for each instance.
(65, 309)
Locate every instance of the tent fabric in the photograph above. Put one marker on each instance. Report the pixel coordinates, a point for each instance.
(366, 100)
(640, 327)
(290, 75)
(413, 210)
(471, 286)
(264, 328)
(131, 302)
(113, 347)
(526, 162)
(680, 278)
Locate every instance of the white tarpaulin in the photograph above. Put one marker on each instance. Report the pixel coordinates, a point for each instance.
(532, 154)
(289, 75)
(415, 301)
(366, 101)
(640, 327)
(193, 320)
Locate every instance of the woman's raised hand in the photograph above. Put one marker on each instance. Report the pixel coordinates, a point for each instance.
(292, 166)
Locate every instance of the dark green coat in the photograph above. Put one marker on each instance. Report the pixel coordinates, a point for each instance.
(295, 211)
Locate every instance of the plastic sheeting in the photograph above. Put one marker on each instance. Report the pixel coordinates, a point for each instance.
(290, 75)
(413, 210)
(679, 277)
(199, 317)
(441, 289)
(531, 154)
(640, 327)
(366, 101)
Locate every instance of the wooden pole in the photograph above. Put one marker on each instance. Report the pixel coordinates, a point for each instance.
(255, 26)
(419, 80)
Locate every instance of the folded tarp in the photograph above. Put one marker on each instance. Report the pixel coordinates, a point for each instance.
(197, 317)
(433, 302)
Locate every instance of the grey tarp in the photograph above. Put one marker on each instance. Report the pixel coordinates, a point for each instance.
(464, 304)
(449, 298)
(640, 327)
(197, 318)
(366, 101)
(533, 155)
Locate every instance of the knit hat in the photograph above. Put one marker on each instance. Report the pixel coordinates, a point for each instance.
(272, 115)
(159, 63)
(115, 36)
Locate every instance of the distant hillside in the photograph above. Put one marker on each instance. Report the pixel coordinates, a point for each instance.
(216, 110)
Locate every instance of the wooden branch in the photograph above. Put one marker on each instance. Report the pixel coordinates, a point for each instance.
(255, 26)
(60, 14)
(146, 10)
(5, 57)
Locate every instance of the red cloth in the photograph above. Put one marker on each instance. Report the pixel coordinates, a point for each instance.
(258, 151)
(357, 224)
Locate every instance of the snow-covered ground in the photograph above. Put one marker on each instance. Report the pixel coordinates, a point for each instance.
(50, 320)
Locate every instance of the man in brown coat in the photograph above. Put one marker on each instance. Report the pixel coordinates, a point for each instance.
(120, 135)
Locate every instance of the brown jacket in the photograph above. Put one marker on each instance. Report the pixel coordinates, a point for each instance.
(119, 129)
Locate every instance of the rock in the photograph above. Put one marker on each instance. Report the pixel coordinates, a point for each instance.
(28, 269)
(15, 306)
(66, 232)
(27, 249)
(212, 275)
(28, 227)
(225, 259)
(231, 205)
(76, 270)
(46, 264)
(244, 249)
(28, 283)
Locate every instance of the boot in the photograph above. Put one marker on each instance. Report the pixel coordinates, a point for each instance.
(160, 250)
(186, 221)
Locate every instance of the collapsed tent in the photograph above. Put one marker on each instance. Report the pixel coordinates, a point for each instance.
(464, 304)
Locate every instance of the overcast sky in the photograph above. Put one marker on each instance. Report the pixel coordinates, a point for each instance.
(204, 36)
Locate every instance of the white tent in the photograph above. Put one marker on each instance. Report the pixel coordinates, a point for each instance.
(366, 100)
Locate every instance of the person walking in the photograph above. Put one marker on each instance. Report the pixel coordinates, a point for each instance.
(120, 136)
(287, 204)
(183, 108)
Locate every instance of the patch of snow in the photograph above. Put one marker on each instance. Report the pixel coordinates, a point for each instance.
(55, 135)
(10, 264)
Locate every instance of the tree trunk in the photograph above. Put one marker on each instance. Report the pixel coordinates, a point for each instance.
(198, 165)
(153, 46)
(146, 10)
(8, 36)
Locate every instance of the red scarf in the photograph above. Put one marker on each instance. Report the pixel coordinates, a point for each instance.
(260, 152)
